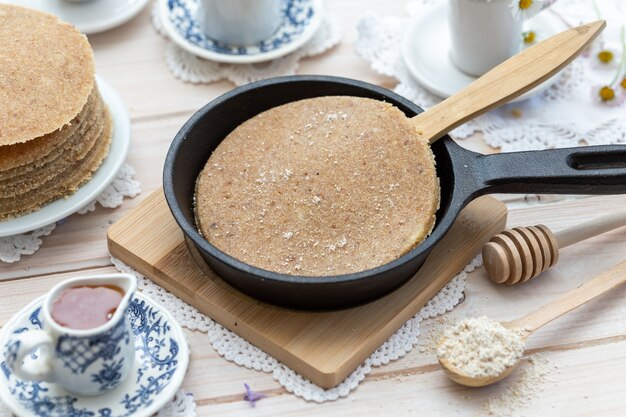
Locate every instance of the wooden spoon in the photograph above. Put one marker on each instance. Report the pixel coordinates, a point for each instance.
(531, 322)
(508, 80)
(522, 253)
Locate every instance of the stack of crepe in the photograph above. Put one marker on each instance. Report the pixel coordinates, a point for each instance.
(55, 130)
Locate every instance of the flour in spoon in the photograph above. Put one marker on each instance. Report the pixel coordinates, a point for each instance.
(481, 347)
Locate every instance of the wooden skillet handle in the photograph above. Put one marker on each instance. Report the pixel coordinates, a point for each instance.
(508, 80)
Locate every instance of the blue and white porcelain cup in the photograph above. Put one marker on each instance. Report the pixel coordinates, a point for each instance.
(239, 22)
(84, 362)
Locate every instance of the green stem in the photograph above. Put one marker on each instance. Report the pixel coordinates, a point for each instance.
(596, 9)
(622, 64)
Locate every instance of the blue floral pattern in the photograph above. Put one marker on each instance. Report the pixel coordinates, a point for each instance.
(297, 16)
(10, 350)
(158, 356)
(110, 375)
(34, 320)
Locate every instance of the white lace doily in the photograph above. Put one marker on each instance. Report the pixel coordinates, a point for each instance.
(189, 68)
(182, 405)
(13, 247)
(236, 349)
(567, 114)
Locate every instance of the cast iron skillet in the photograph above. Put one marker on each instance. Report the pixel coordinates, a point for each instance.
(464, 175)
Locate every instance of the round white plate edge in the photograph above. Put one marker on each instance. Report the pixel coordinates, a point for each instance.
(407, 55)
(241, 59)
(101, 26)
(120, 144)
(155, 406)
(114, 21)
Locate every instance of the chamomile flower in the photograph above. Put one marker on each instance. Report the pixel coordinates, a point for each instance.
(607, 95)
(605, 56)
(529, 37)
(615, 92)
(525, 9)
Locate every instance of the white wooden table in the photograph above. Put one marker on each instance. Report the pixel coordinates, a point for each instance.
(588, 347)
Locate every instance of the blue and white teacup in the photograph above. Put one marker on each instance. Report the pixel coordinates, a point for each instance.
(84, 362)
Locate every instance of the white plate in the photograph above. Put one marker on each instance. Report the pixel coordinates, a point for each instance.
(300, 22)
(63, 207)
(426, 51)
(161, 360)
(91, 17)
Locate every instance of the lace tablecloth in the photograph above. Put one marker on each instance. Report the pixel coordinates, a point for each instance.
(567, 114)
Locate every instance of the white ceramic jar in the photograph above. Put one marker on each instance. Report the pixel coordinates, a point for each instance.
(483, 34)
(240, 22)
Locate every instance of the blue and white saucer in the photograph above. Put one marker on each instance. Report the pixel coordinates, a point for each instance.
(300, 21)
(161, 359)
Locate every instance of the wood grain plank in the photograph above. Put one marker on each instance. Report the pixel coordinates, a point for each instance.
(582, 382)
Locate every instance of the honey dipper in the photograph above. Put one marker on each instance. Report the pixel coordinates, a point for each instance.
(519, 254)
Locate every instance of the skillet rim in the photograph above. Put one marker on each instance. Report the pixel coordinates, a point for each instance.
(443, 223)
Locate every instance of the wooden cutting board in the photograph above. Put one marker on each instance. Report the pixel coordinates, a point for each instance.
(324, 347)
